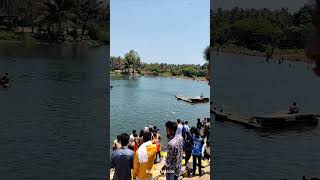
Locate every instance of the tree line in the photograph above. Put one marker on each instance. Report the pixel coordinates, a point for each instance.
(53, 20)
(131, 63)
(261, 29)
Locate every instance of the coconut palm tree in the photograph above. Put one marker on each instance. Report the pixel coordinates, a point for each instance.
(54, 13)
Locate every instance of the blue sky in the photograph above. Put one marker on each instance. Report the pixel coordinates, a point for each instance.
(168, 31)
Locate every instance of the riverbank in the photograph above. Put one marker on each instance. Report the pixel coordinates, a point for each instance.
(30, 39)
(167, 75)
(287, 55)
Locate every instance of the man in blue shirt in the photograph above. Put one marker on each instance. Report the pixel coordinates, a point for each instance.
(122, 159)
(197, 151)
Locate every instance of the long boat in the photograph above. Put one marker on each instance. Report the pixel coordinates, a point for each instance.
(198, 99)
(278, 120)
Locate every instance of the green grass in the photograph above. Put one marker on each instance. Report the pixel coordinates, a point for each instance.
(8, 36)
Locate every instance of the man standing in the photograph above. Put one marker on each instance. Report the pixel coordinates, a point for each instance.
(175, 147)
(143, 162)
(199, 124)
(122, 159)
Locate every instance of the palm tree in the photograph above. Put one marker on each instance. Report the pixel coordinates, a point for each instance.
(86, 11)
(54, 12)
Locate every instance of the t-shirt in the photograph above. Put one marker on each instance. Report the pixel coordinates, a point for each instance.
(131, 140)
(197, 146)
(122, 161)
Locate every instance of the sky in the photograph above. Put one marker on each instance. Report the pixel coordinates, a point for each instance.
(292, 5)
(163, 31)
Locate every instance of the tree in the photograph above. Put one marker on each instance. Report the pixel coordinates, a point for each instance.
(132, 61)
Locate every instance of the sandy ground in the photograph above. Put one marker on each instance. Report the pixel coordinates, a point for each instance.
(158, 176)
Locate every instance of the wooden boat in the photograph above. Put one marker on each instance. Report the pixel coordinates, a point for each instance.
(198, 99)
(280, 120)
(270, 121)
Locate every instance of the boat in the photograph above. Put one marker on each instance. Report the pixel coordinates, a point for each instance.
(198, 99)
(277, 120)
(286, 119)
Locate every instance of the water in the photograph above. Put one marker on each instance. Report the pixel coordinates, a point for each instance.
(143, 101)
(53, 117)
(251, 86)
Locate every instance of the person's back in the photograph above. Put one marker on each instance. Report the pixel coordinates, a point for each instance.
(122, 159)
(199, 124)
(143, 163)
(197, 145)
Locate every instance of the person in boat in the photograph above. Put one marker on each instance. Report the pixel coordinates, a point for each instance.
(143, 161)
(294, 108)
(122, 159)
(5, 79)
(173, 162)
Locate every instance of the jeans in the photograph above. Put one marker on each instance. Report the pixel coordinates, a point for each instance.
(171, 176)
(195, 164)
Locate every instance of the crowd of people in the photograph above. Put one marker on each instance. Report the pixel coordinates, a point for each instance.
(134, 156)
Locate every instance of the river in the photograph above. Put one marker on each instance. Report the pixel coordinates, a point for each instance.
(53, 116)
(142, 101)
(250, 86)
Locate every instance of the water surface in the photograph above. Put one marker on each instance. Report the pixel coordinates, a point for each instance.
(142, 101)
(53, 116)
(250, 86)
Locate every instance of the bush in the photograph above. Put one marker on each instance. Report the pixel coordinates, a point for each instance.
(8, 35)
(94, 32)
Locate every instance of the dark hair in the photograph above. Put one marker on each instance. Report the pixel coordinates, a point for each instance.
(208, 119)
(178, 121)
(206, 53)
(124, 139)
(118, 137)
(186, 122)
(171, 125)
(198, 119)
(134, 131)
(294, 103)
(146, 136)
(6, 74)
(193, 129)
(141, 133)
(135, 135)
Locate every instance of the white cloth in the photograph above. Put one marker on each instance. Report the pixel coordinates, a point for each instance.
(179, 129)
(186, 127)
(142, 152)
(131, 140)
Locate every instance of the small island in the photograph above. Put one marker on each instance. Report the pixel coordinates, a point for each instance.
(131, 64)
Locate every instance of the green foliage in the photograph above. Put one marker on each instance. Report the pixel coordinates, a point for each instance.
(8, 36)
(131, 63)
(54, 18)
(261, 29)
